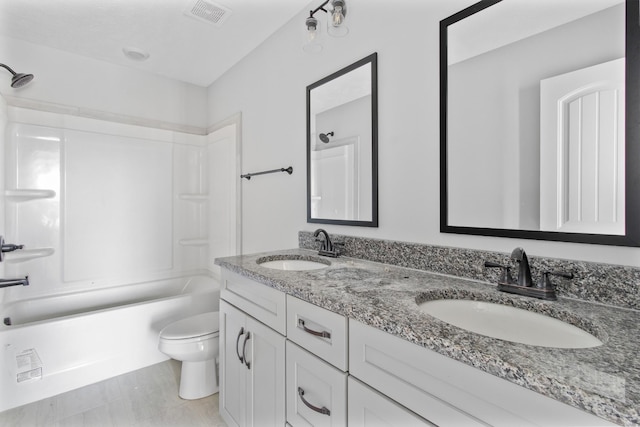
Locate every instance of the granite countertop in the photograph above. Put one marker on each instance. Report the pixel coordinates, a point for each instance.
(603, 380)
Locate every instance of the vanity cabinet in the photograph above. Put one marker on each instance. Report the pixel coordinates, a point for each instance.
(252, 370)
(252, 354)
(284, 361)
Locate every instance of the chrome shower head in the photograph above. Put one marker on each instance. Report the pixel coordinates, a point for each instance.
(18, 79)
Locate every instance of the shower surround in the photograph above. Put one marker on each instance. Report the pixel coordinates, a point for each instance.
(101, 207)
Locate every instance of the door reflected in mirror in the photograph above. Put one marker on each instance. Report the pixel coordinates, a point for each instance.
(533, 131)
(342, 146)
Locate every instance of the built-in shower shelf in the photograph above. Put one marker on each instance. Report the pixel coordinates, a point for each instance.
(194, 197)
(194, 242)
(23, 195)
(23, 255)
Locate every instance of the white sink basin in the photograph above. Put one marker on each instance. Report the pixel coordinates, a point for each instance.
(294, 264)
(509, 323)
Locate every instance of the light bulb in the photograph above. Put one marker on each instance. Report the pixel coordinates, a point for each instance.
(312, 45)
(312, 28)
(337, 17)
(311, 34)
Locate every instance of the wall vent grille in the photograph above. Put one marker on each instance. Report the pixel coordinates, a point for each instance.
(208, 12)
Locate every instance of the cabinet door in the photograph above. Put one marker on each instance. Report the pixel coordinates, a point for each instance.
(265, 370)
(232, 369)
(368, 408)
(316, 391)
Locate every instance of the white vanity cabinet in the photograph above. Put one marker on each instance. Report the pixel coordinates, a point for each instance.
(252, 355)
(284, 361)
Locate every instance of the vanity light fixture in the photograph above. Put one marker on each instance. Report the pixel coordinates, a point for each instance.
(336, 24)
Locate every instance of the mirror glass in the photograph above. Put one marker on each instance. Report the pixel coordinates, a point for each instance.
(342, 146)
(533, 130)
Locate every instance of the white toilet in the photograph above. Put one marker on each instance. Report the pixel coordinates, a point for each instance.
(194, 341)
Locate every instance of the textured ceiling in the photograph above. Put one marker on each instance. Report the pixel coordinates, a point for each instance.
(180, 47)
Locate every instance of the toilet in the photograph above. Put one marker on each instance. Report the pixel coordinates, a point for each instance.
(194, 341)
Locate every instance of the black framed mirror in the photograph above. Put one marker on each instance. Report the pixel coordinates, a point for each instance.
(342, 146)
(539, 124)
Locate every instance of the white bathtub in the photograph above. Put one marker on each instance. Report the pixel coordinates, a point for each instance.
(85, 337)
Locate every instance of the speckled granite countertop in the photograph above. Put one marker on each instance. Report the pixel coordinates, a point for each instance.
(603, 380)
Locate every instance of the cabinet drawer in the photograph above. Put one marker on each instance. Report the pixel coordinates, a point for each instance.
(368, 408)
(316, 391)
(322, 332)
(447, 392)
(259, 301)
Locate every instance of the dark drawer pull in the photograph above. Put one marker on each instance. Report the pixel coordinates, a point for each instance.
(322, 410)
(323, 334)
(237, 341)
(244, 349)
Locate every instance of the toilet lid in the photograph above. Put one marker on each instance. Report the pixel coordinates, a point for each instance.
(192, 327)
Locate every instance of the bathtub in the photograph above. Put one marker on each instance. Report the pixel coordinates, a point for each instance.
(54, 344)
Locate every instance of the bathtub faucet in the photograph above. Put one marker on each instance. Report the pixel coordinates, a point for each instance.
(5, 283)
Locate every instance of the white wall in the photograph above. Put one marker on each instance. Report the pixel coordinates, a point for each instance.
(268, 87)
(91, 86)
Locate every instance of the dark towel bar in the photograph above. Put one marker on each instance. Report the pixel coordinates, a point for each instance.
(288, 170)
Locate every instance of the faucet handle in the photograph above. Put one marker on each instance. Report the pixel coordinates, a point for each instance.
(545, 282)
(506, 273)
(10, 247)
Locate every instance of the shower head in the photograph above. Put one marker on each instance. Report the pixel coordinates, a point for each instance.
(21, 79)
(18, 79)
(324, 137)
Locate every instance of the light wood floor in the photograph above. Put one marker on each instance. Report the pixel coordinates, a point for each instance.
(147, 397)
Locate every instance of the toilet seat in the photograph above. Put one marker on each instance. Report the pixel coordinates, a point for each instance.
(205, 325)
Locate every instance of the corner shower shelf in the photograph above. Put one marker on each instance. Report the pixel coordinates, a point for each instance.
(194, 197)
(194, 242)
(27, 255)
(23, 195)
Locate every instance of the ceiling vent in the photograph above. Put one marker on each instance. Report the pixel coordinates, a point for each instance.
(208, 12)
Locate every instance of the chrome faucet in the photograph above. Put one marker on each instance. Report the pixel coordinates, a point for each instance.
(327, 248)
(5, 283)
